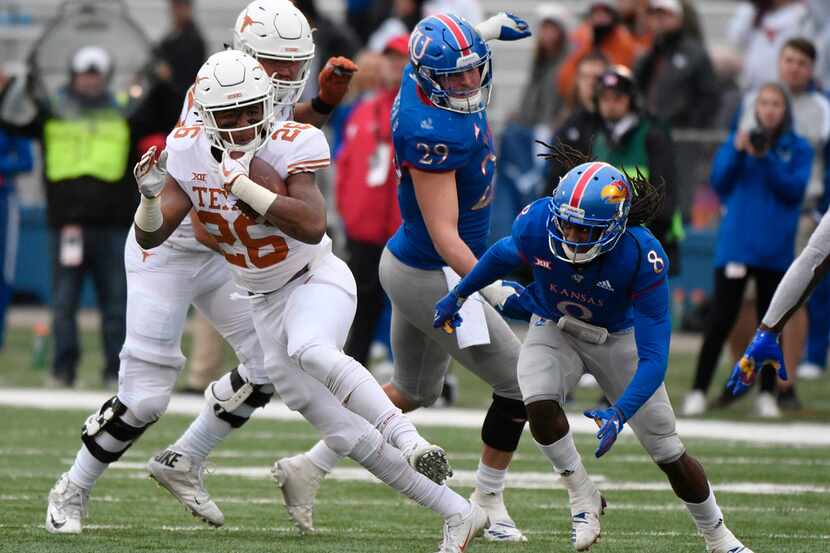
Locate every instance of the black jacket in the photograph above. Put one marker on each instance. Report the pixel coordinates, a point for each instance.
(577, 132)
(679, 83)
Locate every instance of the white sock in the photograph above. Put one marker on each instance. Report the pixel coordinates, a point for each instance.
(562, 454)
(389, 466)
(490, 480)
(86, 469)
(707, 515)
(203, 435)
(322, 457)
(398, 430)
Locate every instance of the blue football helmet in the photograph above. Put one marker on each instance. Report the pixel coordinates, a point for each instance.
(591, 202)
(444, 51)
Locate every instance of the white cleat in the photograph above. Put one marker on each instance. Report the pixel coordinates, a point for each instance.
(67, 507)
(459, 530)
(694, 404)
(721, 540)
(766, 407)
(585, 527)
(179, 475)
(298, 479)
(500, 527)
(431, 461)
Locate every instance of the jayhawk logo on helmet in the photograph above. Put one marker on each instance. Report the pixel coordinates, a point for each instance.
(614, 193)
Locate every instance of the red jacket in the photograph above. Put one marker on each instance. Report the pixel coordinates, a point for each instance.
(366, 178)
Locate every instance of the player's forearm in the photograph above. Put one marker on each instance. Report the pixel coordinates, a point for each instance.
(305, 113)
(455, 252)
(500, 260)
(803, 275)
(297, 219)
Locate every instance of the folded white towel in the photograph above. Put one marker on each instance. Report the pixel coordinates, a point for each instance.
(473, 330)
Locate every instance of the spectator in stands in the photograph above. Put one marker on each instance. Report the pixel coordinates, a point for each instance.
(760, 176)
(367, 194)
(90, 201)
(404, 16)
(183, 48)
(760, 28)
(633, 14)
(676, 74)
(632, 140)
(602, 31)
(540, 101)
(583, 123)
(811, 121)
(15, 157)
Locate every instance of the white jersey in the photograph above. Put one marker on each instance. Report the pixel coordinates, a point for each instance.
(262, 257)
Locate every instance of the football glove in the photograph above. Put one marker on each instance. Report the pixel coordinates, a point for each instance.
(610, 422)
(503, 26)
(446, 312)
(235, 164)
(151, 173)
(334, 79)
(763, 350)
(504, 296)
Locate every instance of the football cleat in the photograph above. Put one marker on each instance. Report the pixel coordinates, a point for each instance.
(431, 461)
(721, 540)
(298, 479)
(766, 407)
(500, 527)
(585, 527)
(67, 507)
(694, 404)
(459, 530)
(178, 474)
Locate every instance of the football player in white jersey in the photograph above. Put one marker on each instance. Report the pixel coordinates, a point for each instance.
(164, 281)
(302, 297)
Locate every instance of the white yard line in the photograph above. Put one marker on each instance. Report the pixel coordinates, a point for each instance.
(772, 433)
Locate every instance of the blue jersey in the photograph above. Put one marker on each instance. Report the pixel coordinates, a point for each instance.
(434, 139)
(602, 292)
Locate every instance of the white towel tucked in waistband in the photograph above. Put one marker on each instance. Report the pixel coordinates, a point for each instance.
(473, 330)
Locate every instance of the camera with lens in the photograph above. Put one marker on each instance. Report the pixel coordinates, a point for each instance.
(760, 140)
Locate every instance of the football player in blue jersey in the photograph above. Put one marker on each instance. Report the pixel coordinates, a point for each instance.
(446, 157)
(599, 303)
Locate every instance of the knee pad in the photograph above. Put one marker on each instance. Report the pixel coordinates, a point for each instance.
(337, 371)
(110, 420)
(503, 425)
(243, 398)
(150, 409)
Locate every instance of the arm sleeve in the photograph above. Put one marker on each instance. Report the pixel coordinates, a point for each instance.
(725, 167)
(789, 178)
(500, 260)
(802, 276)
(652, 332)
(20, 160)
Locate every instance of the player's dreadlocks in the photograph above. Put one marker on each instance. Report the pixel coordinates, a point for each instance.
(648, 196)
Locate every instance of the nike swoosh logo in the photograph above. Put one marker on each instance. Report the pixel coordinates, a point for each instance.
(55, 523)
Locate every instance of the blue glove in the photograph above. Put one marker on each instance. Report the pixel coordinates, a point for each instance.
(446, 312)
(763, 350)
(503, 26)
(610, 422)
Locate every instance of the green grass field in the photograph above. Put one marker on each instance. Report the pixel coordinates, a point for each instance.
(774, 497)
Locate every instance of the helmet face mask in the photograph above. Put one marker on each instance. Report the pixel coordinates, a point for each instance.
(452, 64)
(231, 85)
(275, 30)
(588, 212)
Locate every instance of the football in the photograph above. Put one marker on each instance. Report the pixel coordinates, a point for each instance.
(264, 175)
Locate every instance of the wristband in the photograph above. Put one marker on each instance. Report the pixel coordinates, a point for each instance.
(256, 196)
(321, 107)
(148, 216)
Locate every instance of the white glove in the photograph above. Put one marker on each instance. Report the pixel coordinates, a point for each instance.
(497, 293)
(235, 164)
(503, 26)
(150, 175)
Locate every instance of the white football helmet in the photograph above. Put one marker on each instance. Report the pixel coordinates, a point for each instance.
(228, 80)
(277, 30)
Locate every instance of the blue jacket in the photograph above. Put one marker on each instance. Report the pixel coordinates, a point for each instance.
(15, 157)
(762, 200)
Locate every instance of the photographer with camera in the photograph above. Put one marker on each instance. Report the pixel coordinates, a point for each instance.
(760, 176)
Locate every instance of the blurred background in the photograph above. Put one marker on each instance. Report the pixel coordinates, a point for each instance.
(685, 76)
